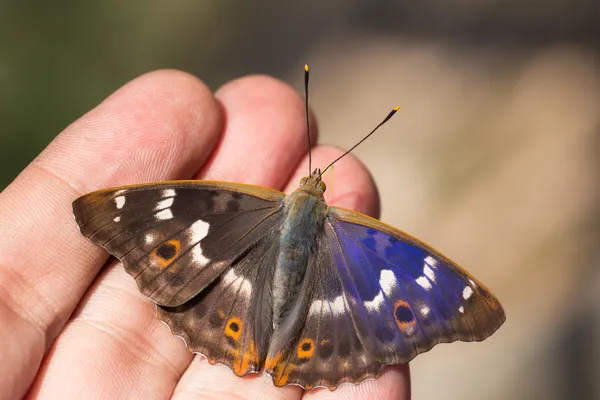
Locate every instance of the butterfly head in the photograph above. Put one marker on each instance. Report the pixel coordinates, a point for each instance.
(313, 184)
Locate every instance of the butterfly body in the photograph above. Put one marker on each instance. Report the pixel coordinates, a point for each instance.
(313, 294)
(304, 212)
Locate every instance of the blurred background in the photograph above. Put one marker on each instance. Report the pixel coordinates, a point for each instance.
(493, 157)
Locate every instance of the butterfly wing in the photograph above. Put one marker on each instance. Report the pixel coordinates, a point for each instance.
(175, 238)
(447, 302)
(203, 251)
(380, 297)
(230, 322)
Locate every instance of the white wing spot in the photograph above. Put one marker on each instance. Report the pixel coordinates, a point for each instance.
(388, 282)
(117, 218)
(428, 272)
(461, 309)
(245, 287)
(432, 262)
(168, 193)
(120, 202)
(164, 214)
(315, 307)
(425, 311)
(337, 306)
(472, 283)
(467, 292)
(424, 282)
(149, 238)
(199, 230)
(166, 203)
(198, 256)
(376, 303)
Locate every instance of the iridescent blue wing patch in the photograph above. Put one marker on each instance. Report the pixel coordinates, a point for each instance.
(395, 277)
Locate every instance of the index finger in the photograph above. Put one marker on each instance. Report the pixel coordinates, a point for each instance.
(160, 126)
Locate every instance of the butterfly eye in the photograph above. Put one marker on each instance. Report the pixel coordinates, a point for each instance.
(303, 181)
(321, 185)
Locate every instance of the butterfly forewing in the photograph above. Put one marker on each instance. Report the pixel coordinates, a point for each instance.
(175, 238)
(399, 279)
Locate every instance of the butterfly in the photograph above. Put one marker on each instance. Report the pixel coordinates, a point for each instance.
(256, 279)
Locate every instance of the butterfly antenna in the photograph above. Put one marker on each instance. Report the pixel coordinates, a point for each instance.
(386, 119)
(307, 122)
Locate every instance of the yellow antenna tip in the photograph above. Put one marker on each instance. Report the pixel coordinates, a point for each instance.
(306, 67)
(396, 108)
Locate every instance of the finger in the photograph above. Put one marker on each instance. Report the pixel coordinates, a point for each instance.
(159, 126)
(138, 345)
(265, 133)
(112, 342)
(393, 384)
(203, 380)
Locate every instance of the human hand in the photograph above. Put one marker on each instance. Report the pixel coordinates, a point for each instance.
(73, 329)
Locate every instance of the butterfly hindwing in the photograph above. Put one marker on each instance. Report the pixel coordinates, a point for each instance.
(230, 322)
(176, 237)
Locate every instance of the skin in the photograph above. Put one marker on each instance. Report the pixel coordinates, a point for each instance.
(73, 322)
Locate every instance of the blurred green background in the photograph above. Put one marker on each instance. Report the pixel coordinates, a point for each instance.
(493, 158)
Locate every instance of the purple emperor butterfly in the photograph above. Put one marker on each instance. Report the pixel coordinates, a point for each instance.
(253, 278)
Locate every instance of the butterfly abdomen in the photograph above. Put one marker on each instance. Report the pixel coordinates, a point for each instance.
(304, 217)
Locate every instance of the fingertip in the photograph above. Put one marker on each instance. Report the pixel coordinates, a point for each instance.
(253, 93)
(262, 94)
(152, 103)
(264, 132)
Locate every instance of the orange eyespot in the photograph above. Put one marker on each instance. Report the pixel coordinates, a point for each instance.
(166, 252)
(306, 348)
(233, 328)
(403, 315)
(321, 186)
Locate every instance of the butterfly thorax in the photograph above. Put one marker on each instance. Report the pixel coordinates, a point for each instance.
(304, 211)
